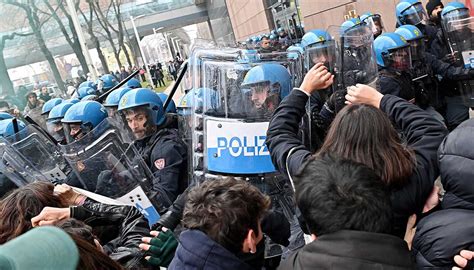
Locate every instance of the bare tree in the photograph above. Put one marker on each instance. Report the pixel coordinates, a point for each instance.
(5, 81)
(72, 39)
(35, 23)
(103, 21)
(121, 29)
(90, 29)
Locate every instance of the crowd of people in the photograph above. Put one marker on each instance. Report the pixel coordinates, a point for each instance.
(363, 163)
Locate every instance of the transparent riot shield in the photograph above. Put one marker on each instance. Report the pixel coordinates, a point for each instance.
(233, 102)
(356, 62)
(16, 167)
(460, 34)
(39, 119)
(43, 154)
(326, 53)
(109, 167)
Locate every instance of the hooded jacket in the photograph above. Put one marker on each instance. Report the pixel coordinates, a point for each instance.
(443, 234)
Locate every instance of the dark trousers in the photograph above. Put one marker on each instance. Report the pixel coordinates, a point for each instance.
(161, 82)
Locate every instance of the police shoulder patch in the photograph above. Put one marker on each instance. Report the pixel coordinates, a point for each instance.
(160, 163)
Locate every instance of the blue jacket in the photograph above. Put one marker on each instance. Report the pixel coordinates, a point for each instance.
(197, 251)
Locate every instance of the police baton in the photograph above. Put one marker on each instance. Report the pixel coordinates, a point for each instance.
(102, 97)
(175, 86)
(33, 122)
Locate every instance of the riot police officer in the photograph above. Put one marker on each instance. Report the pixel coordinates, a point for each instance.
(85, 91)
(112, 101)
(374, 21)
(53, 123)
(448, 46)
(412, 12)
(170, 112)
(133, 83)
(424, 68)
(161, 148)
(105, 83)
(393, 58)
(81, 118)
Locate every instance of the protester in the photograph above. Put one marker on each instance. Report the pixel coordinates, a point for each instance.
(32, 102)
(347, 210)
(442, 234)
(363, 133)
(222, 219)
(40, 248)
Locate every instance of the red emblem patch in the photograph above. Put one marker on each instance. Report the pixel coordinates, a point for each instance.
(160, 163)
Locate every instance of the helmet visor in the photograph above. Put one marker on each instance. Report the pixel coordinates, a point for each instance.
(74, 131)
(399, 59)
(139, 120)
(414, 15)
(322, 53)
(375, 24)
(417, 49)
(55, 129)
(457, 14)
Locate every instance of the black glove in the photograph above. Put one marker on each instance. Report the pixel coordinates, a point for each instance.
(449, 58)
(168, 220)
(353, 77)
(337, 101)
(471, 74)
(276, 226)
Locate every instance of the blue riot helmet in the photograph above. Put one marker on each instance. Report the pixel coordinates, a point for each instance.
(273, 37)
(315, 37)
(134, 83)
(88, 84)
(319, 47)
(410, 12)
(414, 37)
(142, 109)
(50, 104)
(106, 82)
(171, 107)
(4, 115)
(349, 24)
(374, 22)
(294, 51)
(198, 99)
(81, 118)
(89, 97)
(392, 51)
(454, 11)
(112, 101)
(85, 91)
(281, 32)
(7, 127)
(54, 125)
(267, 81)
(274, 32)
(72, 100)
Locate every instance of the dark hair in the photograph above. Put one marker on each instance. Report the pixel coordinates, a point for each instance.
(21, 205)
(334, 195)
(225, 210)
(31, 94)
(364, 134)
(89, 256)
(77, 227)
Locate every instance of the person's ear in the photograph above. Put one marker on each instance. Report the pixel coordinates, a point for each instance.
(250, 242)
